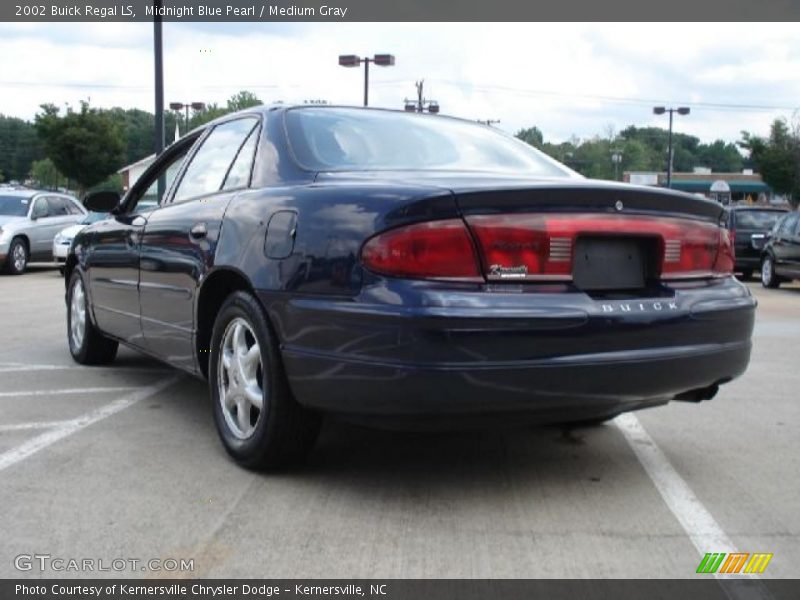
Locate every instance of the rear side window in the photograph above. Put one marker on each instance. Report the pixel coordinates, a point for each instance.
(239, 175)
(58, 206)
(210, 165)
(757, 219)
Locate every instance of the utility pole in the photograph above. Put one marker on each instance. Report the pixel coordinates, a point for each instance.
(421, 102)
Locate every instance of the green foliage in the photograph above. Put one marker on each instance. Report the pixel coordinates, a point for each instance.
(777, 158)
(19, 147)
(242, 100)
(46, 175)
(86, 145)
(112, 182)
(238, 101)
(139, 129)
(531, 135)
(642, 149)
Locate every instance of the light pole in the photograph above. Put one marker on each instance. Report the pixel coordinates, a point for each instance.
(616, 158)
(177, 106)
(660, 110)
(351, 60)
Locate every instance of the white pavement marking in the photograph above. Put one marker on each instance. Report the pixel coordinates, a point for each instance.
(37, 425)
(95, 390)
(22, 367)
(40, 442)
(701, 527)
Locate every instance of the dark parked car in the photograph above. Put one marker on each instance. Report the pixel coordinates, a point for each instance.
(780, 259)
(749, 226)
(389, 266)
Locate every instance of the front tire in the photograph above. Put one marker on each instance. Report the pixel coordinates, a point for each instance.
(768, 277)
(86, 344)
(17, 260)
(260, 423)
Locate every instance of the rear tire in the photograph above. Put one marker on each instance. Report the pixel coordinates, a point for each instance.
(259, 422)
(768, 277)
(747, 275)
(17, 259)
(86, 344)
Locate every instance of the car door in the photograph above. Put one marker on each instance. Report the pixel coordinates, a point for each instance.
(113, 262)
(782, 242)
(63, 214)
(41, 230)
(793, 251)
(180, 237)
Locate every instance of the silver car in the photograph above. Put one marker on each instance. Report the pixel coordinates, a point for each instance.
(29, 220)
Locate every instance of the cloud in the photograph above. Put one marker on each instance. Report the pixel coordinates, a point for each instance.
(565, 78)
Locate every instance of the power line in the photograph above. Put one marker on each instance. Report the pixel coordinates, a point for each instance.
(489, 88)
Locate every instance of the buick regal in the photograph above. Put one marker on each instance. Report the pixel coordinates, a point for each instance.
(394, 267)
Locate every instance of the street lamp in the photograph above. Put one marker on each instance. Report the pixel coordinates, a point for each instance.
(181, 106)
(351, 60)
(616, 158)
(660, 110)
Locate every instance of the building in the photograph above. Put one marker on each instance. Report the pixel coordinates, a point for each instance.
(132, 172)
(746, 186)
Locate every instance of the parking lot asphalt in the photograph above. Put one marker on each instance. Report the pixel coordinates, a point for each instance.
(123, 462)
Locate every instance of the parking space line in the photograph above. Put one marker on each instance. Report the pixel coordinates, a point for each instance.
(95, 390)
(699, 524)
(37, 425)
(21, 367)
(67, 428)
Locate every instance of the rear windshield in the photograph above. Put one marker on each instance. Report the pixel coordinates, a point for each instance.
(14, 206)
(347, 139)
(757, 219)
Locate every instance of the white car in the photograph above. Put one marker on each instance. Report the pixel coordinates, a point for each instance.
(63, 239)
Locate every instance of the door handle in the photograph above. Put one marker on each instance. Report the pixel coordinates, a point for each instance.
(198, 231)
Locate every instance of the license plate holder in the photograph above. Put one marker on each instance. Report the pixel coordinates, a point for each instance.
(610, 263)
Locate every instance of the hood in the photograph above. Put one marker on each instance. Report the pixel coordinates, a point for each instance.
(71, 231)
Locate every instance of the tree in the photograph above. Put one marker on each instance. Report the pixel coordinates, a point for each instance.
(86, 145)
(777, 158)
(19, 147)
(46, 175)
(531, 135)
(242, 100)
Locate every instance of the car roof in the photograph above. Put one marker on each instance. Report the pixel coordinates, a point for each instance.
(263, 109)
(28, 193)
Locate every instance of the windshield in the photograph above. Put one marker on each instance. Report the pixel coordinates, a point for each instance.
(14, 206)
(757, 219)
(345, 139)
(92, 217)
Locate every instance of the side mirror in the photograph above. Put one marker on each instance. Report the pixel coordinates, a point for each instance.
(103, 201)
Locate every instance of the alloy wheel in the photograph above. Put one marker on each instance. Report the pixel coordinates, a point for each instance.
(766, 271)
(19, 257)
(240, 379)
(77, 314)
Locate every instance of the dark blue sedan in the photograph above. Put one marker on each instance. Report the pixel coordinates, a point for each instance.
(396, 268)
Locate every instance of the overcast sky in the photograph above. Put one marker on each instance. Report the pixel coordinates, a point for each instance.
(567, 79)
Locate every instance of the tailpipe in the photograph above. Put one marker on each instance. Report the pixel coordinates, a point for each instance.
(699, 394)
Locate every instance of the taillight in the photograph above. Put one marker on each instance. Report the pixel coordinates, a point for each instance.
(432, 250)
(540, 247)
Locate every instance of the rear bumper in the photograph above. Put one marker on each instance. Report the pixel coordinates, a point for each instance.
(560, 355)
